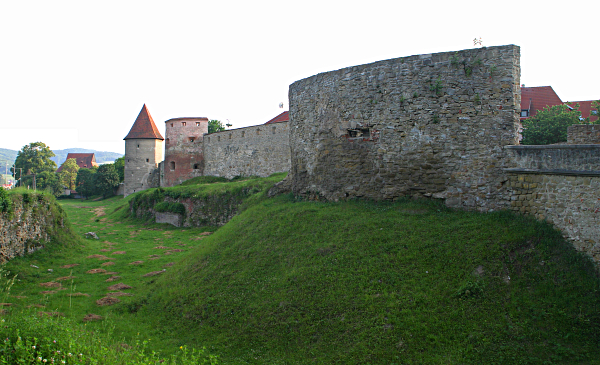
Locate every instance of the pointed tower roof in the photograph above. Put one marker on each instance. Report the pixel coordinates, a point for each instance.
(144, 127)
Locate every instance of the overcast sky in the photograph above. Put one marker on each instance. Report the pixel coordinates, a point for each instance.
(76, 73)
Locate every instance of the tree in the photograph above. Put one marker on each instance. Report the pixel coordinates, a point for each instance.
(68, 173)
(120, 168)
(106, 180)
(85, 181)
(50, 182)
(216, 126)
(550, 125)
(33, 159)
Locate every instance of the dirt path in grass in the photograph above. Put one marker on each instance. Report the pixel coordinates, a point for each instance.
(88, 283)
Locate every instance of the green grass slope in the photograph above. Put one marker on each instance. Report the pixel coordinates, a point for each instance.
(412, 282)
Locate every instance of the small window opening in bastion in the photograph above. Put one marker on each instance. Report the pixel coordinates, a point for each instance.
(274, 130)
(359, 132)
(183, 124)
(196, 166)
(218, 138)
(171, 124)
(229, 135)
(197, 124)
(147, 160)
(172, 165)
(257, 131)
(168, 140)
(191, 139)
(243, 134)
(138, 146)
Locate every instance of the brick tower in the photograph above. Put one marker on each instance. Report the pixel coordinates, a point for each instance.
(183, 149)
(143, 153)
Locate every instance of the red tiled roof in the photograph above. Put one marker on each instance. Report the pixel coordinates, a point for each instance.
(84, 160)
(585, 107)
(144, 127)
(283, 117)
(537, 98)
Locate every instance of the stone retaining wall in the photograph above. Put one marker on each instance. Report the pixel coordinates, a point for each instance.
(561, 184)
(28, 227)
(571, 203)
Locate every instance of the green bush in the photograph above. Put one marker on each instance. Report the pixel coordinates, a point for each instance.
(172, 207)
(5, 202)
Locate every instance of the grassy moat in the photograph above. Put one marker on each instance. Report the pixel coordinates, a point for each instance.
(299, 282)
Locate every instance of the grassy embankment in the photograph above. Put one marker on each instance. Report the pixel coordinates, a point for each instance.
(292, 282)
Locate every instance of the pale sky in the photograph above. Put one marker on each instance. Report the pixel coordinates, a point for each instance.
(76, 73)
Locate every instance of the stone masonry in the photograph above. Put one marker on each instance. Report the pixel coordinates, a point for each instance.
(26, 229)
(429, 125)
(584, 134)
(260, 151)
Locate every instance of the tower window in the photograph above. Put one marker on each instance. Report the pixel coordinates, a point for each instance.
(273, 130)
(147, 160)
(172, 164)
(258, 131)
(218, 138)
(197, 124)
(167, 140)
(183, 124)
(229, 135)
(243, 134)
(138, 146)
(196, 166)
(171, 124)
(191, 139)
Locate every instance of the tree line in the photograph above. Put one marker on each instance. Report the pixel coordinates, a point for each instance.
(34, 168)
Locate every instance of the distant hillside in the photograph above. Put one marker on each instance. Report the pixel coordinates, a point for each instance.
(9, 156)
(101, 156)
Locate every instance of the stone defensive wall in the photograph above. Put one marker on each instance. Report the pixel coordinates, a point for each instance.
(252, 151)
(561, 184)
(432, 125)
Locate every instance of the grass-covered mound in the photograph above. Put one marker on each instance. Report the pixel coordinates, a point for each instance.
(410, 282)
(21, 206)
(210, 201)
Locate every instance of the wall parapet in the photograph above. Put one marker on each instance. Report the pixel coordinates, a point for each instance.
(557, 157)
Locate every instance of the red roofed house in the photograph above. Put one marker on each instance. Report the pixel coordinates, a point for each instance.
(84, 160)
(534, 99)
(537, 98)
(586, 109)
(283, 117)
